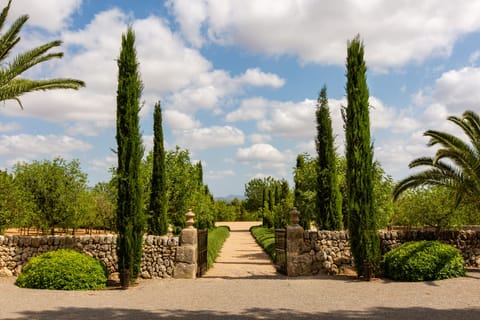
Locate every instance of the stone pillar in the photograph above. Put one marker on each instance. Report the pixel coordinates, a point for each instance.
(295, 244)
(186, 265)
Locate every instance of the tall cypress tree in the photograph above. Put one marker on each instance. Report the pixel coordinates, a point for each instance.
(360, 168)
(158, 197)
(130, 220)
(329, 205)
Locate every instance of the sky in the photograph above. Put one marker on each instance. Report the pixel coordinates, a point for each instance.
(238, 80)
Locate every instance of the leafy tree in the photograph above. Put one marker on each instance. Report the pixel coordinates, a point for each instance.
(11, 84)
(329, 201)
(130, 218)
(158, 196)
(57, 190)
(104, 197)
(360, 169)
(305, 189)
(456, 164)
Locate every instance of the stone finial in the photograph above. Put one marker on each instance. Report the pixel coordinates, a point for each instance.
(170, 230)
(189, 222)
(294, 217)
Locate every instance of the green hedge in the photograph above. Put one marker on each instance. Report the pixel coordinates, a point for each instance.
(265, 237)
(423, 261)
(216, 238)
(63, 269)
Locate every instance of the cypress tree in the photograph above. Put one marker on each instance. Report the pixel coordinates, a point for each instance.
(158, 197)
(360, 168)
(329, 205)
(130, 220)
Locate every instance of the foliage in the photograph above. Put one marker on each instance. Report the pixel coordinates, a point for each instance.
(158, 195)
(63, 269)
(265, 237)
(329, 202)
(103, 212)
(423, 261)
(11, 82)
(57, 192)
(305, 189)
(433, 207)
(360, 169)
(265, 195)
(130, 218)
(456, 164)
(216, 238)
(228, 211)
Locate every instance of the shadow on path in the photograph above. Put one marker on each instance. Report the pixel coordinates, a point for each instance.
(253, 313)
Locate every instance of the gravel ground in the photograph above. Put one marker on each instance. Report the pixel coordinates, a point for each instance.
(252, 296)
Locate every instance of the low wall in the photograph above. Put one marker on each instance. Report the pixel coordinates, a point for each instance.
(158, 260)
(328, 252)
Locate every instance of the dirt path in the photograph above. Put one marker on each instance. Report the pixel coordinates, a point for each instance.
(241, 256)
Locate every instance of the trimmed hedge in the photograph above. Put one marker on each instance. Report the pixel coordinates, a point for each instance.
(423, 261)
(216, 238)
(265, 237)
(64, 269)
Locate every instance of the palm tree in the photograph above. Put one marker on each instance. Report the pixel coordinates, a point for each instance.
(456, 165)
(12, 86)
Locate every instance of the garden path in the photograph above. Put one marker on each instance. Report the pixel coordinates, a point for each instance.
(241, 256)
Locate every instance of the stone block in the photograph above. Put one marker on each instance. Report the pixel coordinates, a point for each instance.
(189, 236)
(185, 271)
(4, 272)
(187, 254)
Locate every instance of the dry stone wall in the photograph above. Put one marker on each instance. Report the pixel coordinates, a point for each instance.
(158, 261)
(328, 252)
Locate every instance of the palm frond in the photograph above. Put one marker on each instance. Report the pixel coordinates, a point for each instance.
(10, 38)
(4, 14)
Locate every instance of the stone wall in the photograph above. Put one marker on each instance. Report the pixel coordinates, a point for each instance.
(328, 252)
(158, 261)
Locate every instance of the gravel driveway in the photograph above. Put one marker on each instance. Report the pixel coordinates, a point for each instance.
(255, 296)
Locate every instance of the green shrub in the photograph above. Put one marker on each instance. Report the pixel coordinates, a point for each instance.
(423, 261)
(216, 238)
(63, 269)
(265, 237)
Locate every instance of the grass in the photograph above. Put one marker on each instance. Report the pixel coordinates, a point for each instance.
(265, 237)
(216, 238)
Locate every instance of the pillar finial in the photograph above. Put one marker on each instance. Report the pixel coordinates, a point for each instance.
(189, 221)
(294, 217)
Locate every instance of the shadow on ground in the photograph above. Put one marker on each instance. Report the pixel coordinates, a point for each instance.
(253, 313)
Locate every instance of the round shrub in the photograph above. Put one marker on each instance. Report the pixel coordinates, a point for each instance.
(63, 269)
(423, 261)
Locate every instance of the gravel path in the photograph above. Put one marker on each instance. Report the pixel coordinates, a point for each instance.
(246, 296)
(241, 256)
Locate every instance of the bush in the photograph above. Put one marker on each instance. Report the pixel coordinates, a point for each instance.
(423, 261)
(63, 269)
(216, 238)
(265, 237)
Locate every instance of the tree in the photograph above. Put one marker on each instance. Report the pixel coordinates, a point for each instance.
(12, 86)
(305, 181)
(57, 189)
(456, 164)
(130, 218)
(329, 201)
(360, 168)
(158, 195)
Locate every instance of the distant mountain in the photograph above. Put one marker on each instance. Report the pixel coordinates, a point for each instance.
(230, 197)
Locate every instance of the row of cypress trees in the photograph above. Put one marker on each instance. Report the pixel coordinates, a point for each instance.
(361, 218)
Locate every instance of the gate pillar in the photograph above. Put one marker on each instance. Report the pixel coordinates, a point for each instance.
(186, 266)
(295, 244)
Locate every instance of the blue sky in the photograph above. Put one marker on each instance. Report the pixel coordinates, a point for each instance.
(238, 80)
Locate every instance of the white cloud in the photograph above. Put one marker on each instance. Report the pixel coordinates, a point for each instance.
(401, 33)
(52, 15)
(250, 109)
(31, 147)
(260, 152)
(103, 164)
(177, 120)
(211, 137)
(219, 175)
(256, 77)
(259, 138)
